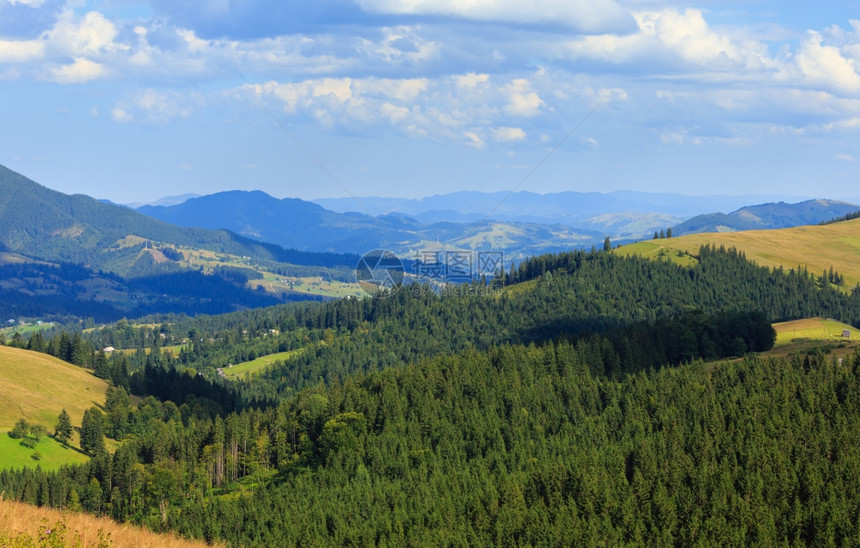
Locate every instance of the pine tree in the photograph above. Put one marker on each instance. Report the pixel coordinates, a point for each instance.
(63, 429)
(37, 342)
(92, 432)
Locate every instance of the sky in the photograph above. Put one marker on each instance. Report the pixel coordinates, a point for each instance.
(133, 100)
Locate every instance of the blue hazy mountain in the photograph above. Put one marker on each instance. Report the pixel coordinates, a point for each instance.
(771, 215)
(571, 208)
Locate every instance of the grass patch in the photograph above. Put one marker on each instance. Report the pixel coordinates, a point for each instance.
(26, 329)
(260, 363)
(658, 251)
(814, 334)
(813, 329)
(53, 454)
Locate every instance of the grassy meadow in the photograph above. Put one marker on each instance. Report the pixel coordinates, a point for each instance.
(37, 387)
(810, 334)
(818, 247)
(52, 454)
(260, 363)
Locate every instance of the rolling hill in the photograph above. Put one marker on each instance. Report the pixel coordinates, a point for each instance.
(44, 224)
(522, 224)
(76, 256)
(816, 247)
(773, 215)
(37, 387)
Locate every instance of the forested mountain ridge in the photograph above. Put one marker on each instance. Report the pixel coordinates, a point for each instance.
(546, 298)
(41, 223)
(76, 258)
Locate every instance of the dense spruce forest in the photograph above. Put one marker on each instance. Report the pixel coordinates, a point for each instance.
(562, 296)
(580, 400)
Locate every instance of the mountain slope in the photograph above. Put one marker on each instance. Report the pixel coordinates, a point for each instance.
(36, 387)
(289, 222)
(772, 215)
(816, 247)
(45, 224)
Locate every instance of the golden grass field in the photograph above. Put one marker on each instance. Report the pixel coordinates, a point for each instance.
(38, 387)
(800, 336)
(24, 525)
(818, 329)
(818, 247)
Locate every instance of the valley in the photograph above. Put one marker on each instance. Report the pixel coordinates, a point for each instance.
(419, 273)
(215, 388)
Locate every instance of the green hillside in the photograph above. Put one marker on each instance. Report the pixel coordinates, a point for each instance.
(37, 387)
(816, 247)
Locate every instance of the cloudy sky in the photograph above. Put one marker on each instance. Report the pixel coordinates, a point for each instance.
(132, 100)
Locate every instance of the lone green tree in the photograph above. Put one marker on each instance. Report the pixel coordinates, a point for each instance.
(63, 429)
(21, 429)
(92, 432)
(607, 245)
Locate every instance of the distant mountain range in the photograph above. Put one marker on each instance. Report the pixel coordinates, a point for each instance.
(519, 224)
(166, 201)
(580, 209)
(299, 224)
(44, 224)
(78, 256)
(772, 215)
(67, 256)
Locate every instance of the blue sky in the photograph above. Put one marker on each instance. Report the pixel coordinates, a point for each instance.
(134, 100)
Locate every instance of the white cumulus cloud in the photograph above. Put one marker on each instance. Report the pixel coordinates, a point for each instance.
(89, 35)
(80, 71)
(505, 134)
(827, 65)
(22, 51)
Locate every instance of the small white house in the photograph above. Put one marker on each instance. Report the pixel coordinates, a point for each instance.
(109, 349)
(846, 333)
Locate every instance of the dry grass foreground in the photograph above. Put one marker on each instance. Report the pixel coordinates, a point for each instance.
(22, 525)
